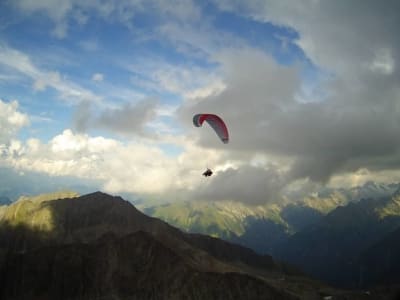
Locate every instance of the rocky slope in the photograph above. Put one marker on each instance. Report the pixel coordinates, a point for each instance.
(101, 247)
(135, 266)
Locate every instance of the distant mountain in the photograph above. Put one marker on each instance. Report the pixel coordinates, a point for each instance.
(330, 248)
(14, 184)
(261, 227)
(380, 263)
(4, 200)
(101, 247)
(371, 190)
(325, 234)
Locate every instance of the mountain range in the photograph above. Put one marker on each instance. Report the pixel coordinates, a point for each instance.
(333, 246)
(334, 236)
(96, 246)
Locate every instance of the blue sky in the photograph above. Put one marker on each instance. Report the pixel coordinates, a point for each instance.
(106, 90)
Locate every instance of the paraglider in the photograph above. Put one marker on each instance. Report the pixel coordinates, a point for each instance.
(215, 122)
(219, 127)
(207, 173)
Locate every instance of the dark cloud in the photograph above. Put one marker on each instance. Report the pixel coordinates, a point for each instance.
(256, 89)
(82, 116)
(253, 185)
(354, 123)
(325, 139)
(129, 119)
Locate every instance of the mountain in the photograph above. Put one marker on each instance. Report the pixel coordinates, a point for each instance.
(98, 246)
(380, 263)
(135, 266)
(330, 248)
(260, 228)
(101, 247)
(332, 235)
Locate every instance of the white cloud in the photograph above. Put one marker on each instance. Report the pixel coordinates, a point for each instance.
(138, 167)
(11, 120)
(21, 64)
(98, 77)
(351, 125)
(383, 62)
(62, 13)
(89, 45)
(55, 10)
(186, 80)
(336, 35)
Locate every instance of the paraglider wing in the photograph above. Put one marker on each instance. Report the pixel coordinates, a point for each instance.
(215, 122)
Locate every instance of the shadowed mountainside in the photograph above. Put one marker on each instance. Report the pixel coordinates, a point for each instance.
(135, 266)
(101, 247)
(330, 239)
(331, 248)
(380, 263)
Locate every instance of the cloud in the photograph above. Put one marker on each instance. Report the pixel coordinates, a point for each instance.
(90, 45)
(140, 167)
(69, 11)
(21, 64)
(128, 119)
(11, 120)
(346, 122)
(184, 79)
(256, 89)
(364, 27)
(383, 62)
(249, 184)
(15, 184)
(355, 123)
(55, 10)
(98, 77)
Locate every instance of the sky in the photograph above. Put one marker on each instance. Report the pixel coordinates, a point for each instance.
(104, 91)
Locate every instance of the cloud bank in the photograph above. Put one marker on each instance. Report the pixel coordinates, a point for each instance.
(329, 117)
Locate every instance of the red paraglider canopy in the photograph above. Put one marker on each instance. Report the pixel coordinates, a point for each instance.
(215, 122)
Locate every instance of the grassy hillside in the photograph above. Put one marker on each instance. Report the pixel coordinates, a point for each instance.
(31, 211)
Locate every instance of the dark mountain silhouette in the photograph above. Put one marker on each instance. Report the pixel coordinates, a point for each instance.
(101, 247)
(380, 263)
(135, 266)
(334, 237)
(300, 216)
(261, 235)
(330, 249)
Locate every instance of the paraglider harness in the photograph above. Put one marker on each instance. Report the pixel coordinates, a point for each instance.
(207, 173)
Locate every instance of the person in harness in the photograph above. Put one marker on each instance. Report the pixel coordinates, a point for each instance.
(207, 173)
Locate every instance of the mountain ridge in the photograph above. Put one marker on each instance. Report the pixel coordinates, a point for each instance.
(325, 239)
(334, 244)
(86, 222)
(88, 234)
